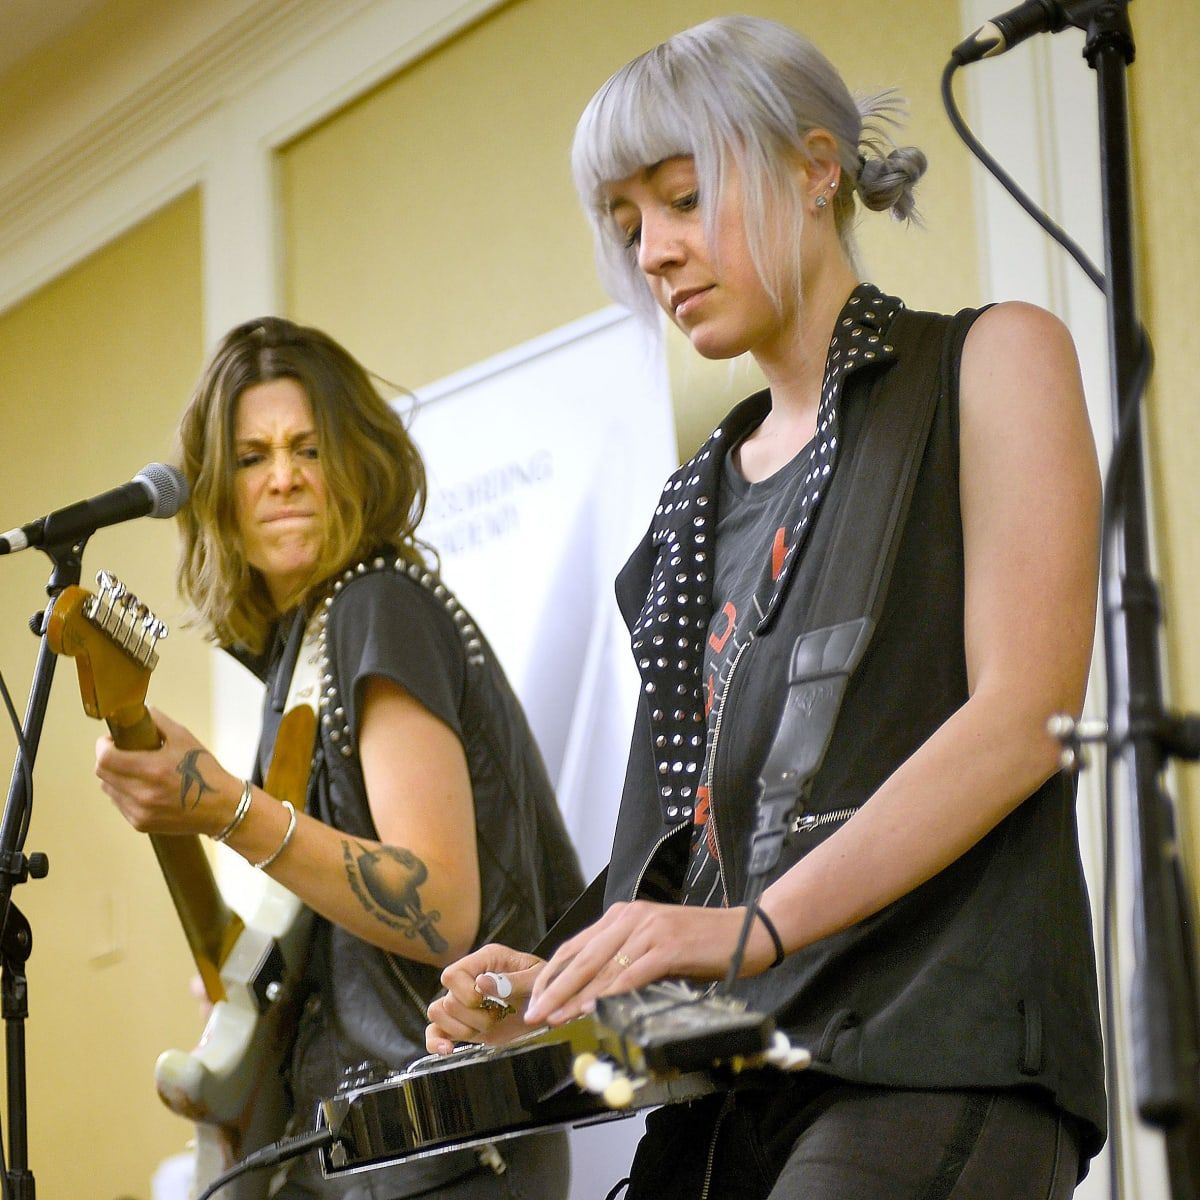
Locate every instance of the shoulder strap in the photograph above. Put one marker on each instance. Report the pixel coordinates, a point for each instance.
(853, 580)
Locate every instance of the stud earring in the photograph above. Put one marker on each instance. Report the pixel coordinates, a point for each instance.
(820, 202)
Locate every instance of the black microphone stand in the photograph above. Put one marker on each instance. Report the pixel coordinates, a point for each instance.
(16, 938)
(1142, 736)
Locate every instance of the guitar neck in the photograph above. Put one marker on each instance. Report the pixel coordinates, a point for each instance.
(209, 924)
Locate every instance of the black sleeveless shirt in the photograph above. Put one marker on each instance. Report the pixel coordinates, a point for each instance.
(985, 975)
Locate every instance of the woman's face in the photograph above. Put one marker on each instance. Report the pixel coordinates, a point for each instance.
(713, 293)
(279, 485)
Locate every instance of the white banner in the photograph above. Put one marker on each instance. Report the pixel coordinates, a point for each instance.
(545, 464)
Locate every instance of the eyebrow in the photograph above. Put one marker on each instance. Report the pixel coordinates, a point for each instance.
(302, 435)
(646, 175)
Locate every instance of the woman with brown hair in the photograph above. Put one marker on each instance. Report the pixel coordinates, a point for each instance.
(430, 825)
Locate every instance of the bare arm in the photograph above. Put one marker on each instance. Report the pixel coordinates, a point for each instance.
(414, 892)
(1030, 511)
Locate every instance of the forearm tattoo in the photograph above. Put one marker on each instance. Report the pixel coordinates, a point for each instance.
(190, 779)
(386, 880)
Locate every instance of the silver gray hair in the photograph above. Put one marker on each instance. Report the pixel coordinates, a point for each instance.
(748, 91)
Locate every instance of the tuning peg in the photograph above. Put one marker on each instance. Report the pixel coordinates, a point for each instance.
(594, 1074)
(153, 630)
(782, 1054)
(602, 1079)
(111, 592)
(580, 1067)
(619, 1093)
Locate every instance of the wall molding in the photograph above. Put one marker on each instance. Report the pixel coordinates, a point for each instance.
(235, 95)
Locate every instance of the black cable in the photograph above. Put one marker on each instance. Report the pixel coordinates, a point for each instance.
(754, 890)
(271, 1156)
(1010, 185)
(24, 760)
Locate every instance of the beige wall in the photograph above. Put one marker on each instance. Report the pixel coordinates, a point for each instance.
(434, 222)
(95, 369)
(1166, 107)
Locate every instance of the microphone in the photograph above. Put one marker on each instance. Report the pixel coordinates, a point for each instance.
(155, 491)
(1005, 31)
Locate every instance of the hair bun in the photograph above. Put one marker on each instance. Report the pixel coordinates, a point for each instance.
(887, 182)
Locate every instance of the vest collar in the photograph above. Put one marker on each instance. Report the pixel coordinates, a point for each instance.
(668, 635)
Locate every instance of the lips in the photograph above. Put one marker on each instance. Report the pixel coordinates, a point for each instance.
(290, 515)
(685, 299)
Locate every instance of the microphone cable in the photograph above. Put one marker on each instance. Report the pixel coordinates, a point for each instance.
(1009, 184)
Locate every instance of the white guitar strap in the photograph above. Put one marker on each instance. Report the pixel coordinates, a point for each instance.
(305, 687)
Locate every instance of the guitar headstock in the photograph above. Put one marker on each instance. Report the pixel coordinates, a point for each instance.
(112, 636)
(670, 1026)
(669, 1029)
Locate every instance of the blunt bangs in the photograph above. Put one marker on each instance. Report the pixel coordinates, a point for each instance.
(697, 95)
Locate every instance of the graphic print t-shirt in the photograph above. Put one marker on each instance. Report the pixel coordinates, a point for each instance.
(753, 527)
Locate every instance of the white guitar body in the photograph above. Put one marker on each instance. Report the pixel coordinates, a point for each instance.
(230, 1084)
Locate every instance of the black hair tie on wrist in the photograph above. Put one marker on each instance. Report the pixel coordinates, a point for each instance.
(776, 940)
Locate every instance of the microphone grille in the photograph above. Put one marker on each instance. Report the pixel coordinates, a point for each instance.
(167, 487)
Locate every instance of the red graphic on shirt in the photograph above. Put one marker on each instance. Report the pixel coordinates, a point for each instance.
(778, 553)
(730, 615)
(700, 820)
(710, 694)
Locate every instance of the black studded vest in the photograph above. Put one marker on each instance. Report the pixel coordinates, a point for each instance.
(985, 975)
(366, 1007)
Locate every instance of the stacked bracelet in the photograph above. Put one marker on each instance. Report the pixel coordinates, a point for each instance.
(239, 813)
(287, 837)
(769, 926)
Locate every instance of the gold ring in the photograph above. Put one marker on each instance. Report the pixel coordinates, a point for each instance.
(623, 959)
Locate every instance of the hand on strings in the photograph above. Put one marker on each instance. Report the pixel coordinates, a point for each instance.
(639, 943)
(485, 998)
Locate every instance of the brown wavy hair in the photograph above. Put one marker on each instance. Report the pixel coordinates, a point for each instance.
(374, 476)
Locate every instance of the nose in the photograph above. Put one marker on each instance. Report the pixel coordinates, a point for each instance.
(281, 470)
(659, 245)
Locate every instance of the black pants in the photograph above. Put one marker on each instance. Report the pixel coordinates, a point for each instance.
(817, 1139)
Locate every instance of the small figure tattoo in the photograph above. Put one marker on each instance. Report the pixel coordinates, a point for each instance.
(386, 880)
(189, 778)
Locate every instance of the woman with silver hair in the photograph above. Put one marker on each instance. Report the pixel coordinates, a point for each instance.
(925, 931)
